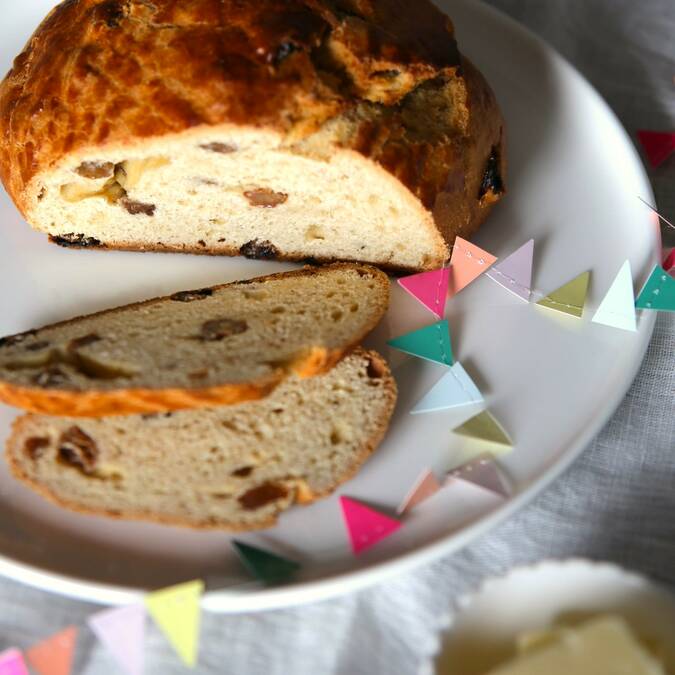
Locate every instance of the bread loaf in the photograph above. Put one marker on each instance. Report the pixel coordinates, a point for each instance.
(193, 349)
(234, 467)
(289, 129)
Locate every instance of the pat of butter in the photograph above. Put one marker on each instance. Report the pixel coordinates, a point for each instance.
(603, 646)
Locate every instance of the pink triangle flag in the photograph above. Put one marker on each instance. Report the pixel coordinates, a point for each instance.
(122, 632)
(429, 288)
(468, 262)
(658, 145)
(365, 525)
(12, 663)
(515, 272)
(424, 487)
(483, 472)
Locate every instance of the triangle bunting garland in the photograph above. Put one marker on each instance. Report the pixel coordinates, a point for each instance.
(176, 611)
(122, 632)
(429, 288)
(570, 298)
(366, 526)
(431, 343)
(265, 566)
(618, 307)
(669, 262)
(12, 663)
(484, 427)
(658, 145)
(658, 293)
(515, 272)
(454, 389)
(54, 656)
(468, 262)
(484, 473)
(424, 487)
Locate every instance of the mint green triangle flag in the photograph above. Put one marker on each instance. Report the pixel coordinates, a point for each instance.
(265, 566)
(431, 343)
(659, 292)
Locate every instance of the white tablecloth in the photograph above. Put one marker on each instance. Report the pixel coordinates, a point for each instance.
(616, 503)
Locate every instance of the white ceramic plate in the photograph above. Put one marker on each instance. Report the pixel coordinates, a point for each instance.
(553, 381)
(482, 630)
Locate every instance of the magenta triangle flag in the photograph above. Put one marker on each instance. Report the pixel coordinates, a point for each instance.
(515, 272)
(484, 473)
(658, 145)
(12, 663)
(429, 288)
(122, 632)
(669, 262)
(366, 526)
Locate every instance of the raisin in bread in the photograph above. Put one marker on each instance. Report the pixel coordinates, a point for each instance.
(212, 346)
(232, 467)
(290, 129)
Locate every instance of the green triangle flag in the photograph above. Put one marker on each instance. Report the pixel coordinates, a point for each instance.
(485, 427)
(659, 292)
(431, 343)
(177, 612)
(265, 566)
(570, 298)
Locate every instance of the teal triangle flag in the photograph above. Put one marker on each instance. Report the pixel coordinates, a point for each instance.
(658, 293)
(265, 566)
(431, 343)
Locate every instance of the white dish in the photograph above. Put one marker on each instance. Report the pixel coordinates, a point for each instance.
(553, 381)
(483, 631)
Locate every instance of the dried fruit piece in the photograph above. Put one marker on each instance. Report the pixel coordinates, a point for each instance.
(219, 329)
(50, 377)
(259, 250)
(76, 241)
(222, 148)
(12, 340)
(265, 198)
(83, 341)
(78, 450)
(138, 208)
(191, 296)
(35, 447)
(262, 495)
(94, 170)
(492, 179)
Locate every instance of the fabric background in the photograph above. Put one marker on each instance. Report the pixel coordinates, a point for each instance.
(616, 503)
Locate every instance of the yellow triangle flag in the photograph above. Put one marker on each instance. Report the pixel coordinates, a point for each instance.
(176, 611)
(569, 298)
(485, 428)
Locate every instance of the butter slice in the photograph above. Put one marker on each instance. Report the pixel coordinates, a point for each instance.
(603, 646)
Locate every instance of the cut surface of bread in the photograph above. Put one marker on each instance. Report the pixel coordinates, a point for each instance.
(232, 467)
(289, 129)
(212, 346)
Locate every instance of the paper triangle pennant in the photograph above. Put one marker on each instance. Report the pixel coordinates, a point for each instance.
(265, 566)
(429, 288)
(177, 613)
(54, 656)
(431, 343)
(618, 307)
(570, 298)
(468, 262)
(484, 427)
(658, 145)
(515, 272)
(424, 487)
(12, 663)
(122, 632)
(366, 526)
(454, 389)
(659, 292)
(669, 261)
(484, 472)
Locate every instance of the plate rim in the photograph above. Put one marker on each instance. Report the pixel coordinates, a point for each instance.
(229, 601)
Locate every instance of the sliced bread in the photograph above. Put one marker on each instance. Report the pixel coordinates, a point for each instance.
(213, 346)
(232, 467)
(330, 129)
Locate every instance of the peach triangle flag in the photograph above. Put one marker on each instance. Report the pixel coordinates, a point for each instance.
(429, 288)
(365, 525)
(468, 262)
(424, 487)
(54, 656)
(12, 663)
(177, 612)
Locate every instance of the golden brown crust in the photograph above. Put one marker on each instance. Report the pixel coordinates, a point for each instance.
(101, 73)
(303, 495)
(315, 361)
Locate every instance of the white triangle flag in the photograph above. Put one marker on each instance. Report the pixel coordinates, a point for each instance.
(618, 307)
(454, 389)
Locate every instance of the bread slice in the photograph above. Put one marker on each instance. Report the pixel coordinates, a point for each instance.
(289, 129)
(193, 349)
(232, 467)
